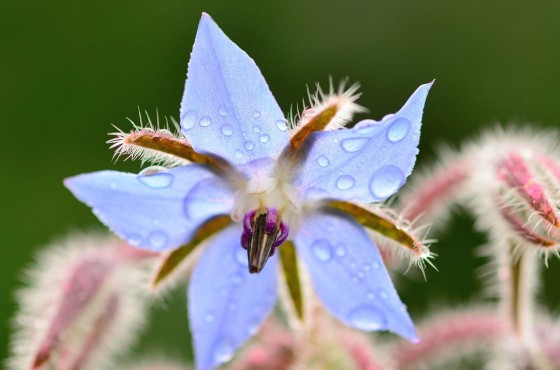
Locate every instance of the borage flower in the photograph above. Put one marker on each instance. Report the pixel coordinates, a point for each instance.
(259, 189)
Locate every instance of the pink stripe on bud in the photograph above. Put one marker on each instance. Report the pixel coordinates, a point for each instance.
(435, 190)
(80, 307)
(450, 335)
(514, 171)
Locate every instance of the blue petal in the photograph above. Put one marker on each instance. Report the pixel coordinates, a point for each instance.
(227, 108)
(227, 304)
(155, 212)
(349, 276)
(367, 163)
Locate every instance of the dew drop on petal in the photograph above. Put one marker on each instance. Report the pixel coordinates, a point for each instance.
(209, 317)
(367, 318)
(223, 351)
(158, 239)
(398, 130)
(241, 256)
(236, 279)
(383, 294)
(249, 145)
(345, 182)
(282, 125)
(158, 180)
(113, 185)
(352, 145)
(264, 138)
(386, 181)
(238, 154)
(134, 239)
(253, 327)
(188, 120)
(257, 128)
(323, 161)
(227, 130)
(375, 265)
(223, 111)
(322, 250)
(256, 114)
(340, 250)
(205, 121)
(370, 295)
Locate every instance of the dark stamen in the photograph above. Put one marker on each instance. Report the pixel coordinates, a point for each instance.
(263, 232)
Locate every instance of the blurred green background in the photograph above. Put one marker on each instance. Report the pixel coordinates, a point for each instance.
(70, 69)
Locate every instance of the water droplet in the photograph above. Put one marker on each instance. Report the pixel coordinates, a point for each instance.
(375, 265)
(398, 130)
(159, 180)
(249, 145)
(227, 130)
(354, 144)
(282, 125)
(158, 239)
(340, 250)
(236, 279)
(383, 294)
(386, 181)
(113, 185)
(366, 267)
(253, 327)
(223, 351)
(345, 182)
(238, 154)
(256, 114)
(223, 111)
(257, 128)
(322, 250)
(360, 275)
(241, 256)
(209, 317)
(205, 121)
(323, 161)
(264, 138)
(366, 126)
(188, 119)
(367, 318)
(134, 239)
(370, 295)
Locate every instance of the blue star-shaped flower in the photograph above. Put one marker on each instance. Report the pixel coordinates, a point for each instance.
(277, 186)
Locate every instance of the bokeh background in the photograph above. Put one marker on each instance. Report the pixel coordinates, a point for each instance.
(70, 69)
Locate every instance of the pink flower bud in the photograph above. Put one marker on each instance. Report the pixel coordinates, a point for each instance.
(80, 306)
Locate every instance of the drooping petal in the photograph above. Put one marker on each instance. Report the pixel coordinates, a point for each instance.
(158, 211)
(367, 163)
(227, 108)
(349, 276)
(227, 304)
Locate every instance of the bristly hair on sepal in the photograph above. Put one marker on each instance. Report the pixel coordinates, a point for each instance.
(150, 142)
(344, 99)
